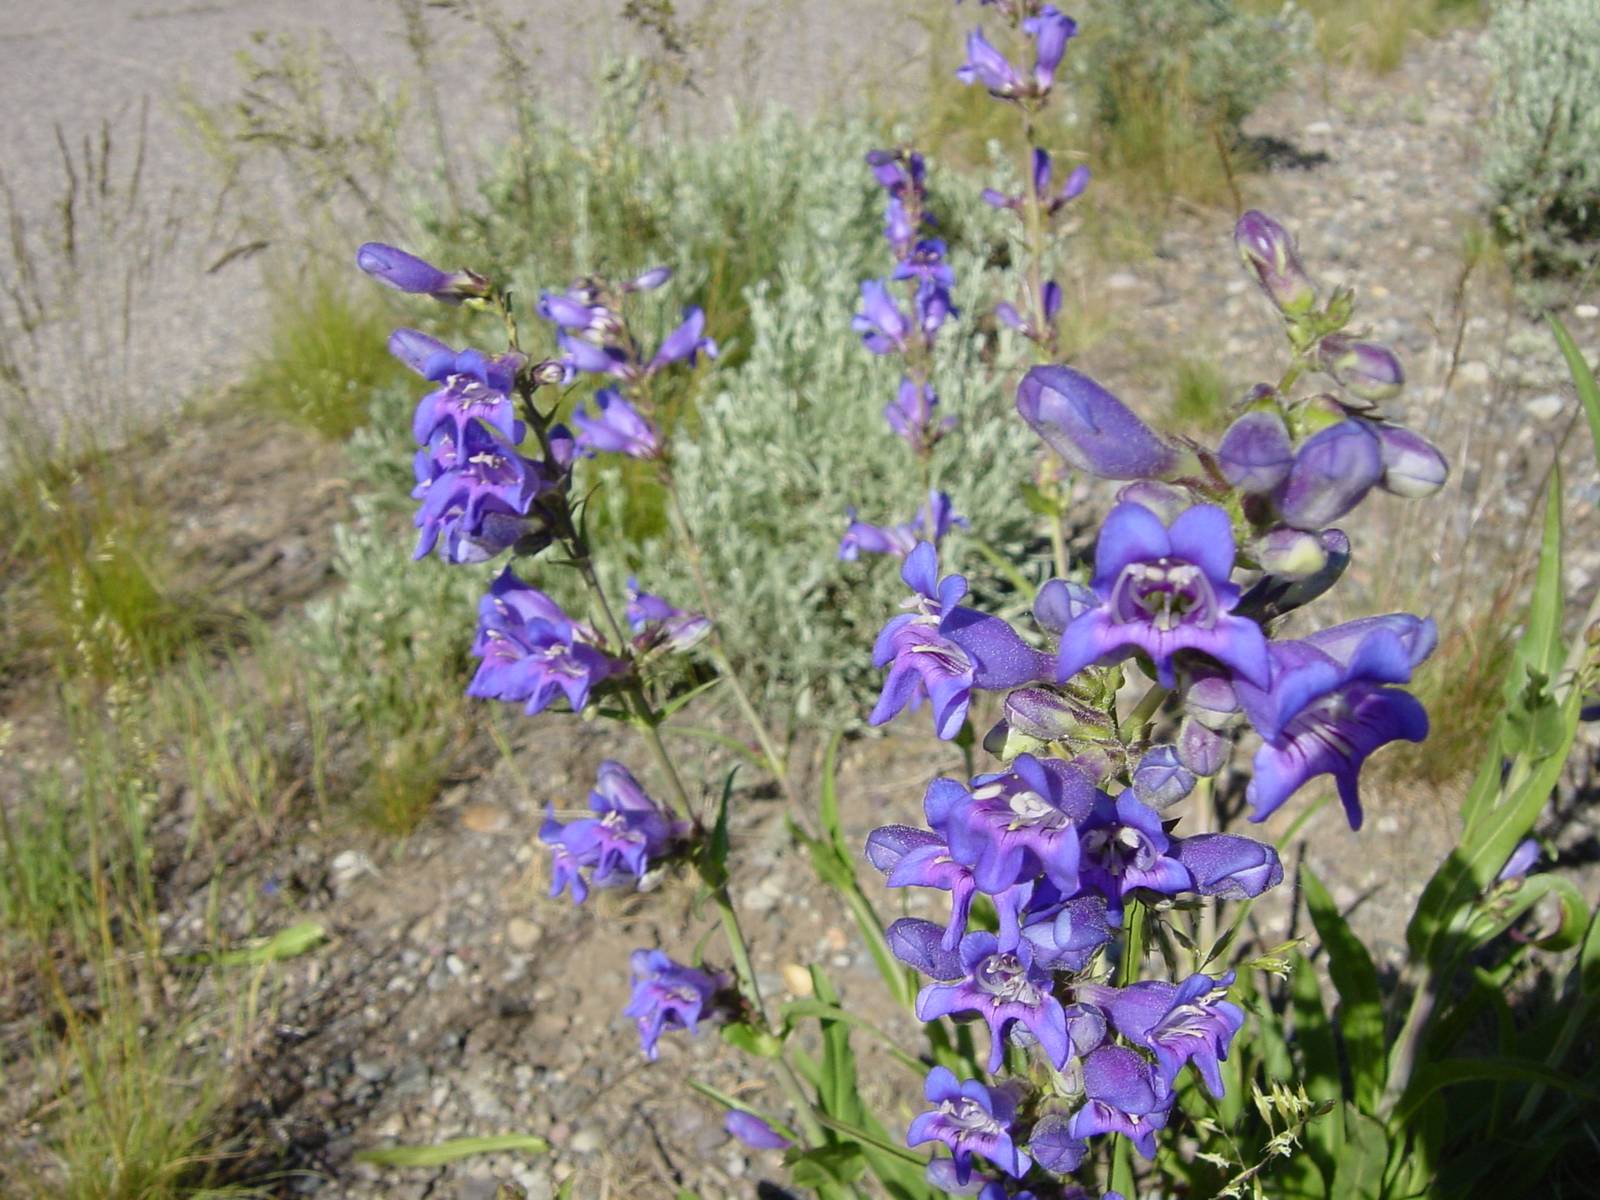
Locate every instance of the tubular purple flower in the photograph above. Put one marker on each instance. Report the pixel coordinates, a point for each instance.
(883, 327)
(1004, 988)
(1226, 865)
(649, 281)
(898, 228)
(1124, 847)
(1163, 591)
(1255, 453)
(586, 356)
(1065, 934)
(1268, 251)
(617, 429)
(917, 654)
(926, 261)
(988, 66)
(575, 314)
(897, 170)
(1329, 706)
(685, 343)
(628, 832)
(1060, 603)
(476, 388)
(415, 348)
(1412, 465)
(1090, 428)
(911, 415)
(933, 523)
(655, 622)
(532, 651)
(754, 1132)
(1332, 472)
(1051, 29)
(1186, 1022)
(970, 1119)
(933, 308)
(920, 945)
(1522, 860)
(667, 995)
(920, 858)
(1053, 1146)
(1012, 827)
(474, 490)
(1124, 1095)
(404, 272)
(1365, 369)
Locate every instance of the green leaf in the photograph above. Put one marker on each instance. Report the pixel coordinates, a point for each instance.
(800, 1010)
(286, 943)
(1366, 1154)
(1313, 1033)
(749, 754)
(714, 868)
(1582, 379)
(828, 802)
(668, 707)
(838, 1094)
(1360, 999)
(1540, 649)
(1589, 958)
(1435, 1076)
(441, 1153)
(841, 1162)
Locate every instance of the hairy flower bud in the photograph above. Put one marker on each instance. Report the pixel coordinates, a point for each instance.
(1049, 716)
(1412, 465)
(1268, 251)
(1332, 471)
(1365, 369)
(1160, 779)
(1255, 453)
(1165, 501)
(1060, 603)
(1202, 750)
(1090, 428)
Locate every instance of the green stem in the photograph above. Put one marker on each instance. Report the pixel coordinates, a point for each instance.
(1146, 709)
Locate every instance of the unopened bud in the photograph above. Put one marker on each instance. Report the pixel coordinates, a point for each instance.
(1332, 472)
(550, 372)
(1268, 251)
(404, 272)
(1255, 454)
(1211, 701)
(649, 281)
(1049, 716)
(1165, 501)
(1202, 750)
(1412, 465)
(1290, 553)
(1090, 428)
(1161, 780)
(1060, 603)
(1365, 369)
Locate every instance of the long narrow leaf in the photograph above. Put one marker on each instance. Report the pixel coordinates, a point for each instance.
(1582, 379)
(441, 1153)
(1435, 1076)
(1360, 999)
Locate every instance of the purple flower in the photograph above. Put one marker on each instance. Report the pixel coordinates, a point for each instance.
(686, 342)
(1268, 251)
(476, 388)
(574, 311)
(656, 622)
(1051, 29)
(971, 1119)
(408, 273)
(1012, 827)
(474, 493)
(1181, 1023)
(912, 857)
(988, 66)
(649, 281)
(945, 650)
(1522, 861)
(1053, 1146)
(666, 996)
(883, 327)
(754, 1132)
(931, 524)
(1004, 988)
(1124, 847)
(1089, 427)
(1124, 1095)
(897, 170)
(926, 262)
(933, 308)
(1329, 706)
(595, 358)
(1164, 590)
(920, 945)
(627, 833)
(618, 428)
(532, 651)
(911, 415)
(898, 228)
(1226, 865)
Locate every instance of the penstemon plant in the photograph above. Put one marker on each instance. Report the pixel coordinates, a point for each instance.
(1084, 1010)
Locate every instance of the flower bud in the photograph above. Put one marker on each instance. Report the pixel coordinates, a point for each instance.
(1521, 861)
(550, 372)
(1202, 750)
(1160, 779)
(1255, 454)
(1049, 716)
(1211, 701)
(1332, 471)
(1226, 865)
(1166, 502)
(1268, 251)
(408, 273)
(1274, 595)
(1365, 369)
(1412, 465)
(1090, 428)
(1290, 553)
(1060, 603)
(649, 281)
